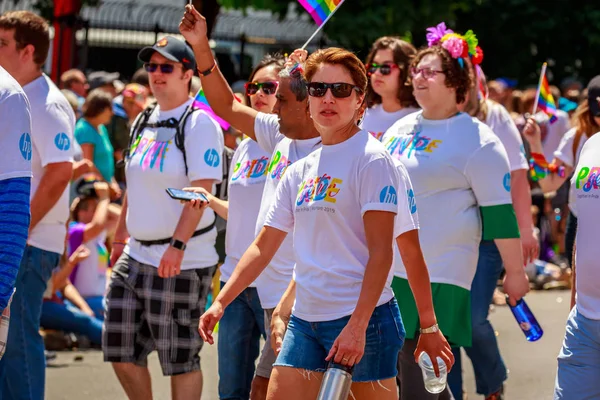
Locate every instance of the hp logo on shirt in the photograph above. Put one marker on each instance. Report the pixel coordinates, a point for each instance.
(388, 195)
(25, 146)
(506, 182)
(212, 158)
(62, 141)
(412, 203)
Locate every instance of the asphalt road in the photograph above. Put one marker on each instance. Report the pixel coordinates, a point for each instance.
(532, 366)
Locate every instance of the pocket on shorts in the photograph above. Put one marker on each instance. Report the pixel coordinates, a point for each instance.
(126, 269)
(185, 339)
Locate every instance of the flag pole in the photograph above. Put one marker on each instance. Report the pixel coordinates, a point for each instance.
(539, 89)
(321, 27)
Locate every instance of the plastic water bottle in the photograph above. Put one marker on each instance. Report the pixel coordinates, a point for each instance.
(336, 383)
(529, 325)
(433, 384)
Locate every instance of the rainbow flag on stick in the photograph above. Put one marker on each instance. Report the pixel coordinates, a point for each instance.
(544, 100)
(201, 103)
(321, 11)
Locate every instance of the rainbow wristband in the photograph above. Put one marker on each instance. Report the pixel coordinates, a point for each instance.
(540, 169)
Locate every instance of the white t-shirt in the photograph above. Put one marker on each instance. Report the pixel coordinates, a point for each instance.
(246, 183)
(156, 164)
(555, 133)
(502, 124)
(52, 125)
(456, 166)
(274, 280)
(565, 154)
(586, 181)
(322, 200)
(377, 120)
(16, 129)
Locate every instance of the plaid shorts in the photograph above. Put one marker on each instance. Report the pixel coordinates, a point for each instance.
(145, 312)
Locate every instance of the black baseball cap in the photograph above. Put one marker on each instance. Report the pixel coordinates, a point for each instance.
(171, 48)
(594, 96)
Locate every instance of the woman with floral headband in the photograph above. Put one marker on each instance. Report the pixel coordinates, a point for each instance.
(389, 97)
(460, 173)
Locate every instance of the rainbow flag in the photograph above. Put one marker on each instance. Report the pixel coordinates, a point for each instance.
(201, 103)
(320, 10)
(546, 102)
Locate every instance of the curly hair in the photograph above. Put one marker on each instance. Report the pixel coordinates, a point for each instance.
(457, 77)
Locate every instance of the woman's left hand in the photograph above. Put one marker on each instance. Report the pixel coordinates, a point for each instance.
(349, 347)
(435, 345)
(115, 191)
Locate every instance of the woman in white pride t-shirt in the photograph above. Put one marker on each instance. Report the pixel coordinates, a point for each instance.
(343, 216)
(460, 173)
(388, 96)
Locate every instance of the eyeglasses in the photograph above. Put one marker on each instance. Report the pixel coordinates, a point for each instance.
(268, 88)
(427, 73)
(384, 69)
(338, 90)
(164, 68)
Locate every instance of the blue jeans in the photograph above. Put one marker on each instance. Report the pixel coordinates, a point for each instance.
(489, 368)
(240, 330)
(67, 317)
(96, 303)
(23, 367)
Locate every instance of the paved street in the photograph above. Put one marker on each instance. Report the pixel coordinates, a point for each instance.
(532, 365)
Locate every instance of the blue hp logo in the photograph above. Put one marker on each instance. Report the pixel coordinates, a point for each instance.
(506, 182)
(62, 141)
(388, 195)
(212, 158)
(412, 203)
(25, 146)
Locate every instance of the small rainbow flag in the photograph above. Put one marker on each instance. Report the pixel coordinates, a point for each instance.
(546, 102)
(201, 103)
(320, 10)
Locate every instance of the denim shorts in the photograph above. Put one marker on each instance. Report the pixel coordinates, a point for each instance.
(306, 344)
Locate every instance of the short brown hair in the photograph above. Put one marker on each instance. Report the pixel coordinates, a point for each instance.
(69, 77)
(403, 53)
(457, 76)
(30, 29)
(96, 102)
(337, 56)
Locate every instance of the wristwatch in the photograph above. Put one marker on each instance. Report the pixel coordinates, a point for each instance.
(178, 244)
(432, 329)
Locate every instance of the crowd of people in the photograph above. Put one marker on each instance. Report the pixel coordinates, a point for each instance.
(371, 207)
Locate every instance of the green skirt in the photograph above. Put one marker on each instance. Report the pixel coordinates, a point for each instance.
(452, 305)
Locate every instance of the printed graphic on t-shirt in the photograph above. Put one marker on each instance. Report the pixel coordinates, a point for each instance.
(102, 258)
(321, 188)
(25, 146)
(62, 141)
(409, 145)
(388, 195)
(279, 163)
(588, 178)
(250, 169)
(377, 135)
(412, 203)
(152, 152)
(506, 182)
(212, 158)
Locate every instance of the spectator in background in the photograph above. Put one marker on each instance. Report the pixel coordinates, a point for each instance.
(105, 81)
(75, 81)
(500, 91)
(92, 136)
(25, 42)
(141, 78)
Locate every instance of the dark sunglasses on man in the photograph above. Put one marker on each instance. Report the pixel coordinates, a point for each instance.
(384, 69)
(164, 68)
(339, 90)
(268, 88)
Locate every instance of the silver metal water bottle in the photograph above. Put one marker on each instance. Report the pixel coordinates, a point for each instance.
(336, 383)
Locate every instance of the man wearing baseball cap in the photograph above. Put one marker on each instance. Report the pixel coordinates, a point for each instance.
(166, 253)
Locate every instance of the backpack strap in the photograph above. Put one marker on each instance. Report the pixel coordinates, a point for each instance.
(139, 124)
(223, 187)
(180, 134)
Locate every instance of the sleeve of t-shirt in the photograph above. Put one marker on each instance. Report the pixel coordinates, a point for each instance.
(53, 137)
(85, 134)
(76, 231)
(15, 137)
(379, 186)
(204, 148)
(407, 218)
(281, 213)
(509, 135)
(266, 129)
(565, 149)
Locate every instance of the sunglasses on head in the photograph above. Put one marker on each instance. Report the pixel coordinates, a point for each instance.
(268, 88)
(338, 90)
(384, 69)
(164, 68)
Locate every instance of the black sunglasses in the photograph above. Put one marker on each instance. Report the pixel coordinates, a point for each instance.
(268, 88)
(164, 68)
(384, 69)
(338, 90)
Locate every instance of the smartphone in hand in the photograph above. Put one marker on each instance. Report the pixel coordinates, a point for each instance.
(178, 194)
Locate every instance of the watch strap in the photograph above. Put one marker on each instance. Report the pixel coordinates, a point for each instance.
(432, 329)
(208, 71)
(178, 244)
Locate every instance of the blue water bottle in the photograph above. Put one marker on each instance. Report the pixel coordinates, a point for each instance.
(527, 322)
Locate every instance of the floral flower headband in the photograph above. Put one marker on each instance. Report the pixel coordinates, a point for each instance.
(459, 46)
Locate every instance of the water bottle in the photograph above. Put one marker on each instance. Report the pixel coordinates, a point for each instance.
(336, 383)
(433, 384)
(529, 325)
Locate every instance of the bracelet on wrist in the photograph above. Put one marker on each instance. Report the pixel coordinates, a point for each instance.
(124, 243)
(208, 71)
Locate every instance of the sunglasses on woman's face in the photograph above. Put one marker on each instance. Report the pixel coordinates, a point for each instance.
(164, 68)
(338, 90)
(268, 88)
(384, 69)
